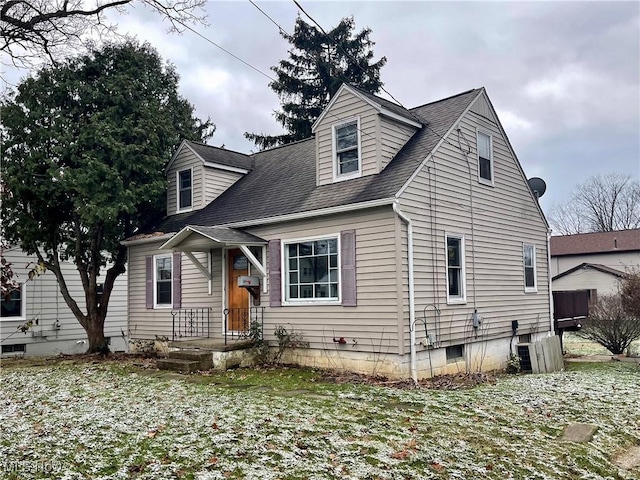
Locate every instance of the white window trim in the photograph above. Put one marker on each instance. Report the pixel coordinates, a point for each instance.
(188, 209)
(533, 289)
(23, 306)
(358, 173)
(155, 282)
(462, 299)
(482, 180)
(284, 272)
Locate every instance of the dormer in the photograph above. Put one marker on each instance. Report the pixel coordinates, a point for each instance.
(199, 173)
(358, 134)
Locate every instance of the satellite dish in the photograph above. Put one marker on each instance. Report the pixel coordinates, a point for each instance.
(537, 186)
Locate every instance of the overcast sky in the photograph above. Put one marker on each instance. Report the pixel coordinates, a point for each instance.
(563, 77)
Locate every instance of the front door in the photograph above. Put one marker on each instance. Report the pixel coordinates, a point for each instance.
(238, 297)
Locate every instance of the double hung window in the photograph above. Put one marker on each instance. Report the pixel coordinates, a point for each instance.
(347, 149)
(529, 261)
(163, 281)
(455, 269)
(485, 158)
(185, 190)
(13, 307)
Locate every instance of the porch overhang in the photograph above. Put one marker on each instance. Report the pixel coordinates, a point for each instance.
(208, 238)
(195, 238)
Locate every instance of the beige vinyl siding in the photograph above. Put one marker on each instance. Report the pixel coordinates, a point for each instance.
(482, 108)
(216, 182)
(185, 159)
(393, 136)
(45, 303)
(587, 279)
(618, 260)
(373, 324)
(446, 197)
(149, 323)
(346, 107)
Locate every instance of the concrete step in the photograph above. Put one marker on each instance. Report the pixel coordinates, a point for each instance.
(178, 364)
(204, 357)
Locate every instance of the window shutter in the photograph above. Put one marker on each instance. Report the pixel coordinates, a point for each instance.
(149, 286)
(348, 262)
(176, 283)
(275, 290)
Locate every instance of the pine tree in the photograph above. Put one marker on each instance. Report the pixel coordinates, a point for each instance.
(318, 64)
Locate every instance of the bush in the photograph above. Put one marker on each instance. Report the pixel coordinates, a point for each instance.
(610, 324)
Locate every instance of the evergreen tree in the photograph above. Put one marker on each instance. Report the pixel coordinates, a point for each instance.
(85, 145)
(318, 64)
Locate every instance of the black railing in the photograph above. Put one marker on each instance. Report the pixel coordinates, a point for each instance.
(238, 323)
(191, 322)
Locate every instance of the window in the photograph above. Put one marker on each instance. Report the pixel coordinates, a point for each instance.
(347, 151)
(15, 348)
(185, 190)
(312, 270)
(455, 269)
(454, 353)
(163, 281)
(485, 159)
(529, 260)
(14, 306)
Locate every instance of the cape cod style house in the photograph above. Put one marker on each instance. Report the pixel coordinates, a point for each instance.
(395, 241)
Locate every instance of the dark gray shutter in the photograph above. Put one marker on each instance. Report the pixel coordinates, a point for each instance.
(275, 290)
(149, 285)
(348, 262)
(176, 272)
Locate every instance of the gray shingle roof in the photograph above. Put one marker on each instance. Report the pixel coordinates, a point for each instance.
(388, 104)
(283, 179)
(222, 155)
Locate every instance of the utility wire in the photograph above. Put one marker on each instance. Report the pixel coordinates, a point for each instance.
(282, 30)
(225, 50)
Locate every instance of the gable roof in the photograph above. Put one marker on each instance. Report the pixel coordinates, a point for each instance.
(597, 242)
(283, 180)
(215, 156)
(595, 266)
(383, 106)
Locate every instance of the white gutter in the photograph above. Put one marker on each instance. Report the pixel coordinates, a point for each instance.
(553, 331)
(308, 214)
(412, 296)
(153, 239)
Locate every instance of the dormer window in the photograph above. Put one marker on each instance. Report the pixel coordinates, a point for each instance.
(185, 190)
(346, 144)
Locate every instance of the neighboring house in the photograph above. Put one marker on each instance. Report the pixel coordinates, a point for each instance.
(385, 219)
(54, 329)
(593, 261)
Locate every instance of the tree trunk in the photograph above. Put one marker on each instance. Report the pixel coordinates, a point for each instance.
(95, 334)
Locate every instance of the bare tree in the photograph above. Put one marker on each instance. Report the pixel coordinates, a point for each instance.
(603, 203)
(33, 31)
(630, 292)
(610, 324)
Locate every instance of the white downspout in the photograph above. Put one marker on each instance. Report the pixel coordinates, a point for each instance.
(553, 331)
(412, 299)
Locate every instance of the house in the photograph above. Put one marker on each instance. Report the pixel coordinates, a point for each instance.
(54, 328)
(395, 241)
(593, 261)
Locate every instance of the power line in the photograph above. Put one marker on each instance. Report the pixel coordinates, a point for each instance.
(282, 30)
(225, 50)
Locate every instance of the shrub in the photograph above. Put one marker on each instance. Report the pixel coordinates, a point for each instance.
(610, 324)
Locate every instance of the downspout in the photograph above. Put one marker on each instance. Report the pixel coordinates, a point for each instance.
(553, 329)
(412, 299)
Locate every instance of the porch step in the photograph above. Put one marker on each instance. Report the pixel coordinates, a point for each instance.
(186, 361)
(178, 364)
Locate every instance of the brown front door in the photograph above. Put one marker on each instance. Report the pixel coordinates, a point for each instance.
(238, 297)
